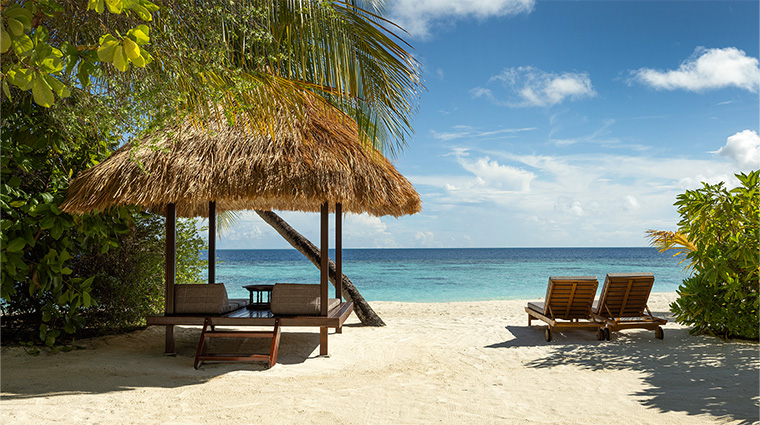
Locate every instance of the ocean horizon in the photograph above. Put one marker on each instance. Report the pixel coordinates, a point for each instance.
(448, 274)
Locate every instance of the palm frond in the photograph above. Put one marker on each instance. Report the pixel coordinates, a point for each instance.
(664, 240)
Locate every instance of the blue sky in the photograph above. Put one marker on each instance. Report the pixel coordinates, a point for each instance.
(562, 123)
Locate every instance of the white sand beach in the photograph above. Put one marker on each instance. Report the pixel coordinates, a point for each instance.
(448, 363)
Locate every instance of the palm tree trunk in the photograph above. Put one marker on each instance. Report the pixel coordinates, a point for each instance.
(363, 310)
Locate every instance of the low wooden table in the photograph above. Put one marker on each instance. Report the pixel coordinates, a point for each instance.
(263, 296)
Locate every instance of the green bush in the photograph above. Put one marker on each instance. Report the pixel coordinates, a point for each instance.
(62, 275)
(129, 279)
(721, 295)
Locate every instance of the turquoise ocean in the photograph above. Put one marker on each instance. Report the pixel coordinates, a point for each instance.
(442, 275)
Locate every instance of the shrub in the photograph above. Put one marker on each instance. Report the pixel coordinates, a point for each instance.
(721, 295)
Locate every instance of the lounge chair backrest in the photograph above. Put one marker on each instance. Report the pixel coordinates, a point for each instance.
(570, 297)
(625, 294)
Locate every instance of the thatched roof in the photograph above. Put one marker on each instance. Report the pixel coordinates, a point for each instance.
(320, 159)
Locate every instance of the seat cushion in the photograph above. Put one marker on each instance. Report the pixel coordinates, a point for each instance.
(296, 299)
(537, 306)
(207, 298)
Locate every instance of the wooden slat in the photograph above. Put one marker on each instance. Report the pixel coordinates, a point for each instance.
(201, 355)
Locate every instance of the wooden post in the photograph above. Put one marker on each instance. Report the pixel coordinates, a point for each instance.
(339, 256)
(339, 251)
(323, 276)
(212, 242)
(170, 272)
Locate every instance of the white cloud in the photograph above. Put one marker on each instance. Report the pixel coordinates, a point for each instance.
(706, 69)
(744, 149)
(467, 132)
(492, 175)
(569, 205)
(418, 17)
(427, 240)
(529, 86)
(598, 199)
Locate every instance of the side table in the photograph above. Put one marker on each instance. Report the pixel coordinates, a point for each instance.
(263, 296)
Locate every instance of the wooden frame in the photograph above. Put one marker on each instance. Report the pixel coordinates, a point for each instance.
(623, 304)
(567, 305)
(209, 331)
(328, 319)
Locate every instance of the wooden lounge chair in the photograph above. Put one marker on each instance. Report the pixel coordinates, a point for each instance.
(623, 304)
(567, 305)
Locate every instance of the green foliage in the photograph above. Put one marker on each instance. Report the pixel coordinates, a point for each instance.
(129, 279)
(39, 242)
(63, 274)
(721, 297)
(190, 266)
(32, 63)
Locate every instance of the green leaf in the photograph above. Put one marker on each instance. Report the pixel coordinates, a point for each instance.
(22, 45)
(120, 59)
(83, 73)
(142, 13)
(24, 16)
(108, 45)
(40, 35)
(16, 27)
(47, 222)
(57, 231)
(41, 91)
(115, 6)
(96, 5)
(58, 87)
(6, 89)
(86, 299)
(139, 61)
(150, 6)
(5, 40)
(140, 34)
(19, 203)
(131, 49)
(16, 245)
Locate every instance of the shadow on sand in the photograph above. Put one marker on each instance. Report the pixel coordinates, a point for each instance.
(683, 373)
(136, 360)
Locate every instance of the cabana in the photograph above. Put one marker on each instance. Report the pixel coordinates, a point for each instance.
(315, 162)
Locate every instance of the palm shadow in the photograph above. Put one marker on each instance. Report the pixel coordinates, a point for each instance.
(684, 373)
(136, 360)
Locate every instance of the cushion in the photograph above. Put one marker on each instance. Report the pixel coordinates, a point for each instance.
(298, 299)
(538, 307)
(204, 298)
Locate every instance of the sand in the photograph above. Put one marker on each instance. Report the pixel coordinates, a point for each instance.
(447, 363)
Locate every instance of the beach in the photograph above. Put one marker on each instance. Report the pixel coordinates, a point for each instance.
(447, 363)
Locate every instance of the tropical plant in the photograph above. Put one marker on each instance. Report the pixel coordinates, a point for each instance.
(69, 98)
(718, 233)
(243, 58)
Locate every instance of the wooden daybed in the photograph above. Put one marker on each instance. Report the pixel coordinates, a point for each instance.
(207, 305)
